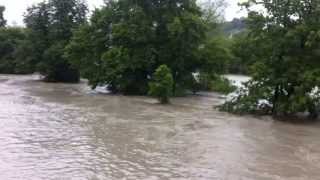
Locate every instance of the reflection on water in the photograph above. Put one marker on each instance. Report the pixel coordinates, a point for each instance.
(59, 131)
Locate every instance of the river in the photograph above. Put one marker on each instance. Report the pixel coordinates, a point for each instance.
(67, 131)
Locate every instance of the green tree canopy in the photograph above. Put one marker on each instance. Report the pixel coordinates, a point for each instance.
(11, 61)
(50, 26)
(286, 39)
(127, 40)
(162, 84)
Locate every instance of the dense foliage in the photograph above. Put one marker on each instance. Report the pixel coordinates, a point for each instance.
(122, 45)
(127, 40)
(212, 82)
(11, 51)
(3, 22)
(242, 47)
(222, 85)
(286, 75)
(136, 47)
(50, 25)
(162, 84)
(12, 42)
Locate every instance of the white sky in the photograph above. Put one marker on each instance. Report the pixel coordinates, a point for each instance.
(16, 8)
(233, 10)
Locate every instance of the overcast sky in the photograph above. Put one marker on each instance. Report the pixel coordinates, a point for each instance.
(16, 8)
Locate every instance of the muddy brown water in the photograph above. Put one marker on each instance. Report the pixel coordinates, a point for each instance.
(67, 131)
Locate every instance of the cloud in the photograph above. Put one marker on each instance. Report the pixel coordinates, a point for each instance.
(233, 10)
(16, 8)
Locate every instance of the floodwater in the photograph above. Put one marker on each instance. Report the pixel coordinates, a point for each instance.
(61, 131)
(237, 80)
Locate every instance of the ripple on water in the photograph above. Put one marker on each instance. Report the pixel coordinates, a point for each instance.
(63, 131)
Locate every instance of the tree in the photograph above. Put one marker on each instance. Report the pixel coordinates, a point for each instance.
(11, 42)
(287, 46)
(37, 20)
(87, 46)
(50, 26)
(241, 48)
(127, 40)
(182, 35)
(162, 84)
(3, 22)
(12, 51)
(215, 55)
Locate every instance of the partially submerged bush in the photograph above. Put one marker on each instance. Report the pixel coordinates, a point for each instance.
(213, 82)
(162, 85)
(222, 85)
(285, 50)
(247, 100)
(257, 98)
(14, 51)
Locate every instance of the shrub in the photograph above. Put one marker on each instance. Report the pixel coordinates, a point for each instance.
(222, 85)
(213, 82)
(162, 85)
(256, 98)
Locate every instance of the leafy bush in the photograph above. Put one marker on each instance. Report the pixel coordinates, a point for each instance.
(50, 25)
(287, 73)
(56, 68)
(250, 99)
(162, 84)
(213, 82)
(257, 98)
(12, 51)
(222, 85)
(125, 41)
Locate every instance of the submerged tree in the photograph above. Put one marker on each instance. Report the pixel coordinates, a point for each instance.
(162, 84)
(286, 40)
(11, 42)
(127, 40)
(50, 25)
(37, 20)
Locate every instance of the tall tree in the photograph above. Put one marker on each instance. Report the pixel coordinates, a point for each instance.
(89, 43)
(12, 40)
(37, 20)
(287, 45)
(66, 15)
(3, 22)
(139, 36)
(50, 27)
(11, 61)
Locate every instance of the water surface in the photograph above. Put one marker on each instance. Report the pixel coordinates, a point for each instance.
(61, 131)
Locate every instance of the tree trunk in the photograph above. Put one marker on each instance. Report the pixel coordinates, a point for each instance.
(275, 101)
